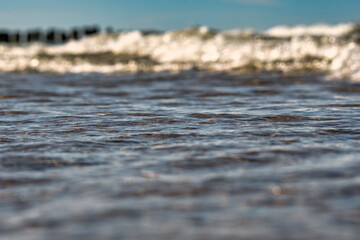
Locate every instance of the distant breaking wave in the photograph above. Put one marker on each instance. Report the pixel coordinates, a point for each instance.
(334, 50)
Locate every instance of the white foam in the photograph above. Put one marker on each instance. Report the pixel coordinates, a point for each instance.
(179, 50)
(315, 30)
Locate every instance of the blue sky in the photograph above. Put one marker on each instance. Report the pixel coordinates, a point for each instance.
(170, 14)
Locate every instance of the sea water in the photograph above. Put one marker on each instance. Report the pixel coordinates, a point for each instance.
(191, 134)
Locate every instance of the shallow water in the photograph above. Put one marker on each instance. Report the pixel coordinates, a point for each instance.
(192, 155)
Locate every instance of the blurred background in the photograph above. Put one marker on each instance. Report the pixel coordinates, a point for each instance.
(174, 14)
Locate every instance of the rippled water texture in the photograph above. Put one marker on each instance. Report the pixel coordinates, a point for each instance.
(178, 156)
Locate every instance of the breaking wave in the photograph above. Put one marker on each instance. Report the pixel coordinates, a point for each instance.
(327, 49)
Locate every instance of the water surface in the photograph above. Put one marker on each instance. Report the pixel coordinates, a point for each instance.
(193, 155)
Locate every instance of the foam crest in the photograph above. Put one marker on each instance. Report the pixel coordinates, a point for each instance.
(315, 30)
(318, 48)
